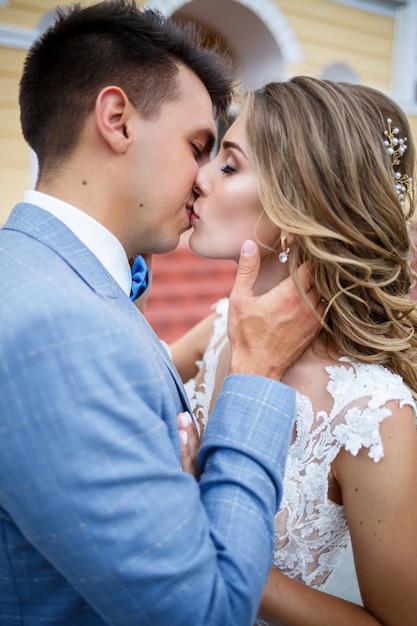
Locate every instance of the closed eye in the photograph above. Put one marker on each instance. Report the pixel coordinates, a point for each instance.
(228, 169)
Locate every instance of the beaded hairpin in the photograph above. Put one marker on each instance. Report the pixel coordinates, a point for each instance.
(396, 146)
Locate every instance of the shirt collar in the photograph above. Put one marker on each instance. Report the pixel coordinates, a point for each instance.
(102, 243)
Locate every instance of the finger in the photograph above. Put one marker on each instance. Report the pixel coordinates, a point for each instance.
(304, 276)
(188, 463)
(193, 449)
(183, 420)
(248, 269)
(305, 282)
(322, 308)
(189, 444)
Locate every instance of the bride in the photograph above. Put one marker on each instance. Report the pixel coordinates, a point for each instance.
(322, 171)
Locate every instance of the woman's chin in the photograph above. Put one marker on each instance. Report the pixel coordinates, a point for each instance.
(211, 249)
(198, 247)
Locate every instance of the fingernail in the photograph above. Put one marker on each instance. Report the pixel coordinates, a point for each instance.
(186, 419)
(184, 437)
(248, 248)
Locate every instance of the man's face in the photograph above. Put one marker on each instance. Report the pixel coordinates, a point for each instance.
(166, 156)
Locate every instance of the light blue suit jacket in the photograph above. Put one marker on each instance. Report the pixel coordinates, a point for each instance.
(98, 524)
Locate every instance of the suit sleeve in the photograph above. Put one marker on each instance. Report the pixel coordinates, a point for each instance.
(95, 486)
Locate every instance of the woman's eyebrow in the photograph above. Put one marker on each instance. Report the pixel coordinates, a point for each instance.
(235, 146)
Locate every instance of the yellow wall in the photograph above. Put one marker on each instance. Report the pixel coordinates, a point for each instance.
(328, 33)
(14, 154)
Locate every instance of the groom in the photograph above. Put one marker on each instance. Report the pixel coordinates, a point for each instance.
(98, 523)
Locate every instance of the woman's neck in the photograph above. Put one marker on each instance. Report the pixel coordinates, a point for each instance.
(271, 273)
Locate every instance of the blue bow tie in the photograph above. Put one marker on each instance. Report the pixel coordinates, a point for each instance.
(140, 277)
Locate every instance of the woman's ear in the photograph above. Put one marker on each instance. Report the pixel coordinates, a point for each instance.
(112, 113)
(286, 241)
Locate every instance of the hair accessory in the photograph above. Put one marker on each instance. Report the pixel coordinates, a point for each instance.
(283, 256)
(396, 146)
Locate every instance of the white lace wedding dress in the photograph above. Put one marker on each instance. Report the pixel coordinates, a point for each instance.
(311, 533)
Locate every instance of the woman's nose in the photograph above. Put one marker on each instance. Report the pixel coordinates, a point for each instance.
(202, 185)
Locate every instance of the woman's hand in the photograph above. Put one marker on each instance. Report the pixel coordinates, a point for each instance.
(189, 444)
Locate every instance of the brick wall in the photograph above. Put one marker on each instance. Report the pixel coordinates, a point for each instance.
(184, 286)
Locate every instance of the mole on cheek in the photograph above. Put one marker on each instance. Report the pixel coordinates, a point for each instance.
(84, 182)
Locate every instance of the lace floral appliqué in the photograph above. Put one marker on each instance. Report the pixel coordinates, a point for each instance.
(311, 532)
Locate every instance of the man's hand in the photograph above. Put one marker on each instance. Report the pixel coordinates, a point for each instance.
(189, 444)
(269, 332)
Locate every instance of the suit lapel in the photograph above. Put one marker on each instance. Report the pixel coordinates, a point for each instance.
(50, 231)
(130, 310)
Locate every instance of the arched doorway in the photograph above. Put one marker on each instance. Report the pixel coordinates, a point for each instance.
(259, 36)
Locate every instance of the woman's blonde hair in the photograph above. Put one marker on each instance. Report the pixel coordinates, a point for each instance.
(326, 177)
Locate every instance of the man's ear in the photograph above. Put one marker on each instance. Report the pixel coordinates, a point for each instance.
(112, 114)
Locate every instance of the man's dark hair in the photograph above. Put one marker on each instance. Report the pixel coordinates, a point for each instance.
(110, 43)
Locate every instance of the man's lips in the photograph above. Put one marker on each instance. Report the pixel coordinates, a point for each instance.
(192, 215)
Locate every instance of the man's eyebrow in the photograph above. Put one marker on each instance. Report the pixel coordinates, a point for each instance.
(235, 146)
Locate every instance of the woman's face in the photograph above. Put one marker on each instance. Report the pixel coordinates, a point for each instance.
(228, 209)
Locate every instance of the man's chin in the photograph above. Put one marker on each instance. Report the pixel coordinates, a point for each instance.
(169, 245)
